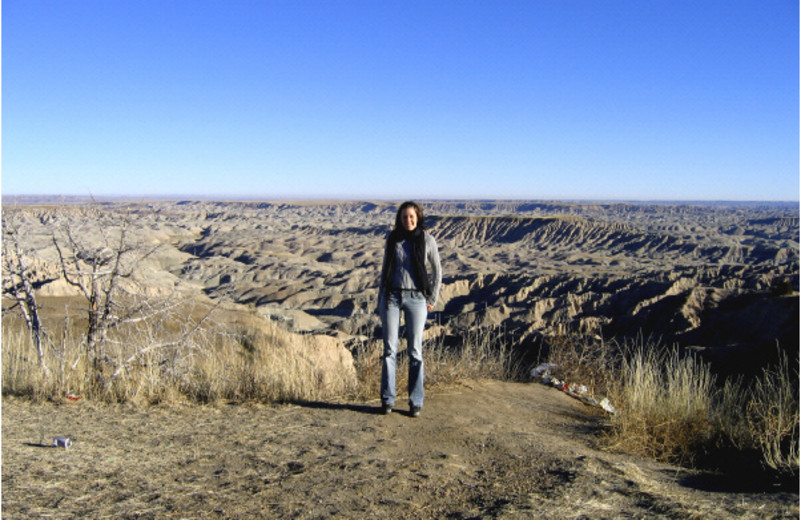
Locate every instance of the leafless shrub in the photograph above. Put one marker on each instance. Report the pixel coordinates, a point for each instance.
(99, 255)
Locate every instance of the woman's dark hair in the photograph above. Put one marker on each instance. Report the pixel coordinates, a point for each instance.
(409, 204)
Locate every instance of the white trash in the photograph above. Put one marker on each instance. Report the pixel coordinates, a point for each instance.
(542, 370)
(578, 389)
(62, 442)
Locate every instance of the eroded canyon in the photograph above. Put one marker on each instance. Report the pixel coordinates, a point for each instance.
(720, 277)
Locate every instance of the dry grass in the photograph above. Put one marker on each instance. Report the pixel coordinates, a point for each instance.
(763, 416)
(773, 415)
(233, 356)
(238, 357)
(669, 406)
(480, 353)
(664, 399)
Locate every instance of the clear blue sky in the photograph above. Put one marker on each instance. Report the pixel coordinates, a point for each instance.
(530, 99)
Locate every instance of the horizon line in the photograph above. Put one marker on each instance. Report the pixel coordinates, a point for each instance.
(43, 198)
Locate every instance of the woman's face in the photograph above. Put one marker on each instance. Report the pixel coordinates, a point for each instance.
(409, 219)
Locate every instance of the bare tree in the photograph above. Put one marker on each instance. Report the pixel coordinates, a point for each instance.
(101, 263)
(101, 253)
(18, 286)
(98, 271)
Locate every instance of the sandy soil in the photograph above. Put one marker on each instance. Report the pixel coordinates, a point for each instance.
(481, 450)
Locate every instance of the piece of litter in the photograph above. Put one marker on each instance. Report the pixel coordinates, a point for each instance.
(605, 404)
(62, 442)
(543, 370)
(578, 389)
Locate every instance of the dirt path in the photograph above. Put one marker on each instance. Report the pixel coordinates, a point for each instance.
(484, 450)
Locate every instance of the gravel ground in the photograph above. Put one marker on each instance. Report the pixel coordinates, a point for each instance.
(481, 450)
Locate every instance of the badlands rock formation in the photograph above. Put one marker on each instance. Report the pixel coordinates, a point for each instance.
(715, 276)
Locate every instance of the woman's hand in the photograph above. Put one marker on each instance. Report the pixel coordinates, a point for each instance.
(430, 307)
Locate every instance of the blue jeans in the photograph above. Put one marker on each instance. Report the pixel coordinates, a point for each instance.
(415, 310)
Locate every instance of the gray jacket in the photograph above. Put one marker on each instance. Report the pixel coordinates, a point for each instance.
(403, 277)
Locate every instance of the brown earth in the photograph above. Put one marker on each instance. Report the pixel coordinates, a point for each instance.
(481, 450)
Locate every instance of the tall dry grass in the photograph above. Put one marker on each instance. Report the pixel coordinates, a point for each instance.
(773, 416)
(670, 407)
(240, 359)
(664, 399)
(482, 352)
(762, 415)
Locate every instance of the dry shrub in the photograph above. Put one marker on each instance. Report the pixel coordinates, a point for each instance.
(479, 352)
(367, 353)
(486, 352)
(662, 398)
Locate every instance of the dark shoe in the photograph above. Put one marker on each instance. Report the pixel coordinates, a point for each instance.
(386, 409)
(415, 411)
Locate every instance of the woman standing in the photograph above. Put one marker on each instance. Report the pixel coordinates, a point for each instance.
(410, 281)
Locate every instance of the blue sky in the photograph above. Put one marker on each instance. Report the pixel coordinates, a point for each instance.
(557, 99)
